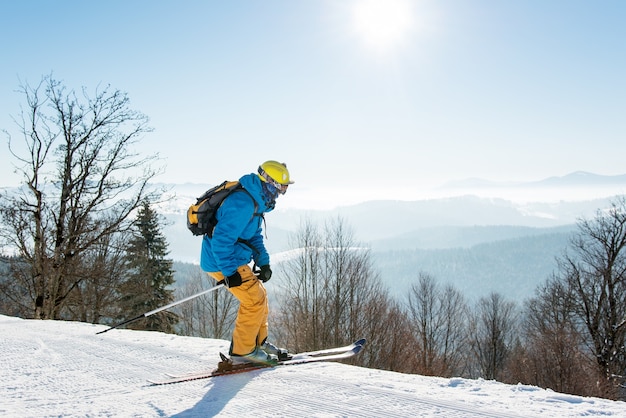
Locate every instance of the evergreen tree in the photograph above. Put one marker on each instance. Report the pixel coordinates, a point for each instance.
(149, 274)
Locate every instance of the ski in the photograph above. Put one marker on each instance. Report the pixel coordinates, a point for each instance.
(327, 357)
(250, 367)
(295, 356)
(339, 353)
(334, 350)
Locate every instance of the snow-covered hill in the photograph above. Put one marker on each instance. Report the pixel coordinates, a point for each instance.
(52, 368)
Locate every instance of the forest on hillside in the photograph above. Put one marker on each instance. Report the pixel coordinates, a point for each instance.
(512, 267)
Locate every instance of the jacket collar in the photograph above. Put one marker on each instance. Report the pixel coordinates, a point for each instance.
(252, 183)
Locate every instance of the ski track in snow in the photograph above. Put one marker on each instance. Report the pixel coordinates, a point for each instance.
(53, 368)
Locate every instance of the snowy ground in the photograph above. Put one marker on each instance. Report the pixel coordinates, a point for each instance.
(52, 368)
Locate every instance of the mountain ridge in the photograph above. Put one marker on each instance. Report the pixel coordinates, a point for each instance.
(573, 179)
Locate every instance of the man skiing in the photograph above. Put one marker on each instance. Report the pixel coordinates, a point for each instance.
(237, 239)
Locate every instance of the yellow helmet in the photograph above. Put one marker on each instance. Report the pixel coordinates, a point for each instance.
(276, 174)
(276, 171)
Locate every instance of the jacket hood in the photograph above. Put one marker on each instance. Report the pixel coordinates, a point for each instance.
(252, 183)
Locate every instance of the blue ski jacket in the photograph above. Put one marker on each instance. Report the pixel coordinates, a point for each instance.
(235, 220)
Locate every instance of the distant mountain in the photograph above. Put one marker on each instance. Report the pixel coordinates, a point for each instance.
(457, 237)
(388, 224)
(478, 244)
(396, 224)
(512, 267)
(582, 178)
(575, 179)
(387, 219)
(512, 261)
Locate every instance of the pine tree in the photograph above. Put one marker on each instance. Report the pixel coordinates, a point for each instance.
(150, 274)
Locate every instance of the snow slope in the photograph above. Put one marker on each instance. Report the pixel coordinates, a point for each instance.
(52, 368)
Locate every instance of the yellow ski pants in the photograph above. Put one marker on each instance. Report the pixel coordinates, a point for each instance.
(251, 323)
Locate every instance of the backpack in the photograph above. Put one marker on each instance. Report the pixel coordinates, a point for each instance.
(201, 218)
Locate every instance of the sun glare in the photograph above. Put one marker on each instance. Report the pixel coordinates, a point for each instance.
(382, 24)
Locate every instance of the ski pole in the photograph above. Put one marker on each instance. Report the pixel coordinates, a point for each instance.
(152, 312)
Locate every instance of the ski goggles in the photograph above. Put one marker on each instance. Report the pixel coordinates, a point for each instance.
(280, 188)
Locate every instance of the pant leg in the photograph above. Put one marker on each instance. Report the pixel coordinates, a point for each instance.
(251, 324)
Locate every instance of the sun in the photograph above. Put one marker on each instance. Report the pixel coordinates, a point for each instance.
(382, 24)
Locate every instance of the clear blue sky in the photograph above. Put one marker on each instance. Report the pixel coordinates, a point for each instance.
(360, 98)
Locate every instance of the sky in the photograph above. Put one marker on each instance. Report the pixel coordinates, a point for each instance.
(62, 368)
(363, 99)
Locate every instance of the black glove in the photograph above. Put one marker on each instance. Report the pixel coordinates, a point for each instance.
(266, 273)
(233, 280)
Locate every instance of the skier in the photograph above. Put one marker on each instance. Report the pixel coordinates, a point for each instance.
(237, 240)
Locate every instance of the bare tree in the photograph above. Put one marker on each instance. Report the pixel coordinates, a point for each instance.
(350, 284)
(299, 317)
(14, 295)
(438, 318)
(595, 274)
(82, 179)
(492, 335)
(553, 356)
(102, 268)
(390, 342)
(209, 316)
(330, 294)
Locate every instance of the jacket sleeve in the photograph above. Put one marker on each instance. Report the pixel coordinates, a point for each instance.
(261, 258)
(233, 216)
